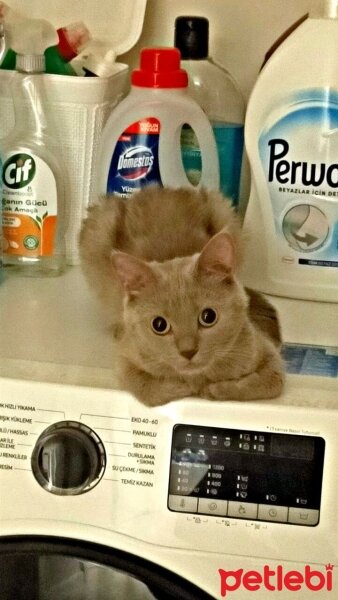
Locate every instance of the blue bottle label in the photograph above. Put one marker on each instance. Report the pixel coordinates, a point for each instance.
(134, 163)
(298, 149)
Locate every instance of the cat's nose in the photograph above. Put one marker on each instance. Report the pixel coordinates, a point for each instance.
(189, 353)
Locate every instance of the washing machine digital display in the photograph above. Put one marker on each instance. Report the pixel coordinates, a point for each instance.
(246, 474)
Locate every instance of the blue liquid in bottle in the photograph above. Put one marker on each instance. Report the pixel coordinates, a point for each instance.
(230, 143)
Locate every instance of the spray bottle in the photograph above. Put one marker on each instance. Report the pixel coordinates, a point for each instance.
(32, 174)
(72, 39)
(291, 137)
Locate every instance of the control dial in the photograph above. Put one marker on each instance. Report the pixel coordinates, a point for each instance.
(68, 459)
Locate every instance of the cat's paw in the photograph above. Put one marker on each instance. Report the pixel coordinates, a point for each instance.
(222, 390)
(251, 387)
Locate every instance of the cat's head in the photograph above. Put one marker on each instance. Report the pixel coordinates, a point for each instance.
(183, 313)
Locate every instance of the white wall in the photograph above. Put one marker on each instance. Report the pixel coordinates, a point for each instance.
(241, 31)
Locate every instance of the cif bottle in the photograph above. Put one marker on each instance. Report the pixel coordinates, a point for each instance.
(32, 174)
(217, 93)
(140, 143)
(292, 144)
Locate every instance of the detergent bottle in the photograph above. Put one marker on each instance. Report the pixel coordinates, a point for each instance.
(215, 90)
(141, 141)
(291, 137)
(32, 173)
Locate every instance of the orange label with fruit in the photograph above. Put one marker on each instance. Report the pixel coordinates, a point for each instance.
(29, 206)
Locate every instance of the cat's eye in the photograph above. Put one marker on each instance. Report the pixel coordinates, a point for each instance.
(160, 326)
(207, 317)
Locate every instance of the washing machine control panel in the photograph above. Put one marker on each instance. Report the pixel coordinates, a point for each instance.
(246, 474)
(68, 458)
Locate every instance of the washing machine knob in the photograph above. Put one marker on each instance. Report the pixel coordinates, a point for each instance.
(68, 458)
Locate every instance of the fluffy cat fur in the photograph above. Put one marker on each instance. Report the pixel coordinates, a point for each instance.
(173, 254)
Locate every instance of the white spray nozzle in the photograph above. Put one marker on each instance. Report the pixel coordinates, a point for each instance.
(32, 36)
(103, 65)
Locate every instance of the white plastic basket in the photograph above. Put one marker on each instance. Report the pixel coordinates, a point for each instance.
(79, 107)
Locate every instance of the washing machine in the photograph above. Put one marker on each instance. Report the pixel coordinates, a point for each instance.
(103, 498)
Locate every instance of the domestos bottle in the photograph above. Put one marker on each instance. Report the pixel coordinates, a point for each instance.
(216, 92)
(141, 139)
(292, 144)
(32, 177)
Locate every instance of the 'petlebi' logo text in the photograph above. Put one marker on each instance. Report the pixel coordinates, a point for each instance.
(276, 580)
(135, 163)
(18, 171)
(298, 172)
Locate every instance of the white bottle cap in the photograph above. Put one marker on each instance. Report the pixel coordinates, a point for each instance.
(30, 63)
(103, 66)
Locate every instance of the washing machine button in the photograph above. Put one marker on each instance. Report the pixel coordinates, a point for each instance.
(213, 507)
(242, 510)
(68, 458)
(303, 516)
(270, 512)
(182, 503)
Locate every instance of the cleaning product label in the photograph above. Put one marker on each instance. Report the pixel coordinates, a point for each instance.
(135, 163)
(29, 206)
(299, 154)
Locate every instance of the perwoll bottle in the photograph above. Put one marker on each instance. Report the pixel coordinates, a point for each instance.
(292, 144)
(217, 93)
(141, 139)
(32, 175)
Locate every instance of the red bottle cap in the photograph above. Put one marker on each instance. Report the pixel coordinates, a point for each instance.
(64, 47)
(160, 68)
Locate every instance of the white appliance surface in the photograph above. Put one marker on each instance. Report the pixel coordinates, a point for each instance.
(57, 365)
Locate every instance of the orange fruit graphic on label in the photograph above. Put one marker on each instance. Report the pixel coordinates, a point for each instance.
(24, 236)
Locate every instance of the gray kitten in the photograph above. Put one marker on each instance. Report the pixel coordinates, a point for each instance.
(164, 265)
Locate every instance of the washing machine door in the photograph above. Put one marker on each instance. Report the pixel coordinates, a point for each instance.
(41, 568)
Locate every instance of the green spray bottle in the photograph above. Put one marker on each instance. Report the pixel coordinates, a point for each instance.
(70, 42)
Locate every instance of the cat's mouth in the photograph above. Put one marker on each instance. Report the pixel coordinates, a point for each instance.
(191, 365)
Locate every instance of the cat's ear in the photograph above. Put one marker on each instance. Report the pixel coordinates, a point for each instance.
(133, 273)
(217, 258)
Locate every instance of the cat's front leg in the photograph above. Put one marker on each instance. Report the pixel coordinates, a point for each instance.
(264, 383)
(152, 391)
